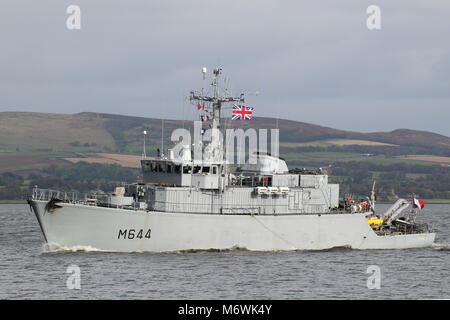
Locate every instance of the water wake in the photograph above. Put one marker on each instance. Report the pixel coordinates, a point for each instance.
(441, 246)
(235, 248)
(55, 247)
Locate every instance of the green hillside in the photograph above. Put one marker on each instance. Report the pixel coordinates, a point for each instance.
(96, 132)
(33, 148)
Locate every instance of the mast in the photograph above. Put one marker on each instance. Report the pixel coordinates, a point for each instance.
(216, 100)
(373, 197)
(144, 154)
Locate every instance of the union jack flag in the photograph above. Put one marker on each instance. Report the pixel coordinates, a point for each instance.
(242, 112)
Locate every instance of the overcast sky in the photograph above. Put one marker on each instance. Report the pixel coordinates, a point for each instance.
(312, 61)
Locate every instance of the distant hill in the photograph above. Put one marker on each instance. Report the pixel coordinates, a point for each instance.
(91, 151)
(99, 132)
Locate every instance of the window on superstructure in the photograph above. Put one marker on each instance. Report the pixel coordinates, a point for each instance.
(178, 168)
(205, 170)
(187, 169)
(197, 169)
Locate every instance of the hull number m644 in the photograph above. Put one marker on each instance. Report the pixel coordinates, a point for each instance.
(134, 234)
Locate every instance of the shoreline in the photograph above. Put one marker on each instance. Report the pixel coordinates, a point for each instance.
(437, 201)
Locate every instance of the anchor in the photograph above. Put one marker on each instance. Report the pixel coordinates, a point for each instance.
(51, 206)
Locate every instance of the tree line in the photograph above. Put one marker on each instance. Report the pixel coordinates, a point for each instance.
(355, 178)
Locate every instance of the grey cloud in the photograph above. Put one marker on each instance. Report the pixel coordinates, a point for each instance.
(312, 61)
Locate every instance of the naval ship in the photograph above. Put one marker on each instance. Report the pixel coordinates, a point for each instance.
(185, 202)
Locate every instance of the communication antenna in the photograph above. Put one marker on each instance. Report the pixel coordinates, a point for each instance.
(144, 154)
(162, 138)
(373, 196)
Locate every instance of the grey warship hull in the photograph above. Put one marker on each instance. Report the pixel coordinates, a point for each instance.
(78, 226)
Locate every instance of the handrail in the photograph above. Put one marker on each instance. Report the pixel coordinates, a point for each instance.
(48, 194)
(77, 198)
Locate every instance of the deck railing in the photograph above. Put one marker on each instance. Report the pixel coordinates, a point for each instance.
(48, 194)
(74, 197)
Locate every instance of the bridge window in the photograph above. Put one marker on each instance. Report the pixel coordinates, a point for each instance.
(205, 170)
(178, 168)
(197, 169)
(187, 169)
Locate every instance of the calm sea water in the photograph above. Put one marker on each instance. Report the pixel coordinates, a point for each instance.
(27, 271)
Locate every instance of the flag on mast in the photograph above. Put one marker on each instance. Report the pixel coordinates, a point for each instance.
(241, 112)
(418, 203)
(199, 106)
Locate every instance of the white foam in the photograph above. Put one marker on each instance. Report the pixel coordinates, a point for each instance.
(441, 246)
(55, 247)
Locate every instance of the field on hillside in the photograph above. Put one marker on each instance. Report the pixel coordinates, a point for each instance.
(128, 161)
(325, 158)
(335, 142)
(32, 161)
(427, 158)
(19, 161)
(53, 133)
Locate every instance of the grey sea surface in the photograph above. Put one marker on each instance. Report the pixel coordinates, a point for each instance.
(29, 271)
